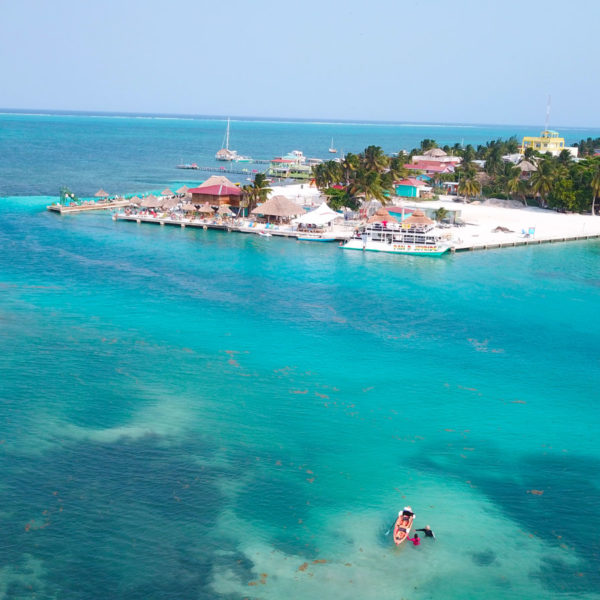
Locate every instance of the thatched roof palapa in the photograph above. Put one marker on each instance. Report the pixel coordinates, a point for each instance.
(189, 207)
(279, 206)
(207, 209)
(101, 194)
(526, 167)
(167, 192)
(417, 218)
(435, 153)
(183, 189)
(151, 202)
(169, 203)
(135, 200)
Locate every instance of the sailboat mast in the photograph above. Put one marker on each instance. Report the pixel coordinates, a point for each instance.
(227, 136)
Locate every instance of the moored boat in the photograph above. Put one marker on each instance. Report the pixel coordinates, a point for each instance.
(403, 525)
(414, 235)
(315, 237)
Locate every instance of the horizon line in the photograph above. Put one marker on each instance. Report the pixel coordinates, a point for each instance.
(308, 120)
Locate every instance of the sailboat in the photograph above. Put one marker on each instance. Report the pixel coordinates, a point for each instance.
(332, 148)
(225, 153)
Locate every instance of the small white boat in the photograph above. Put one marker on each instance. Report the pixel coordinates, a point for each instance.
(315, 237)
(332, 149)
(263, 233)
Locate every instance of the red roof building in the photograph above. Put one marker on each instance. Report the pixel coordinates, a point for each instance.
(216, 191)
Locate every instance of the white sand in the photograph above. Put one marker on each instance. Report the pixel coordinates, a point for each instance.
(482, 219)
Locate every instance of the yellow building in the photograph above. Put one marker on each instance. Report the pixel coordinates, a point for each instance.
(548, 141)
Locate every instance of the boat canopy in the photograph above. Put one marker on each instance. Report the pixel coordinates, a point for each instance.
(320, 216)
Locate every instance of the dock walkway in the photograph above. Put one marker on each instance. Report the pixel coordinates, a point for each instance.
(207, 224)
(88, 207)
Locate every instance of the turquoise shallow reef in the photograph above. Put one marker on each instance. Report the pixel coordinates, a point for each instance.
(196, 414)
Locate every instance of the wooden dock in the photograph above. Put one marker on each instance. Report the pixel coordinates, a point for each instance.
(88, 207)
(201, 224)
(522, 242)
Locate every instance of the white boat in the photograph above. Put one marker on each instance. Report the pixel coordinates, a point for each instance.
(315, 237)
(332, 148)
(414, 235)
(263, 233)
(225, 154)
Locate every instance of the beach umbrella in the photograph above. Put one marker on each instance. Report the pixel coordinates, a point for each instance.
(101, 194)
(205, 208)
(135, 200)
(187, 207)
(151, 202)
(167, 192)
(169, 203)
(183, 189)
(224, 211)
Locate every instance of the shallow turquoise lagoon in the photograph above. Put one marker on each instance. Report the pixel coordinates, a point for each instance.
(196, 414)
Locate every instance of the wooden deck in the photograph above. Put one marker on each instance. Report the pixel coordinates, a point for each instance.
(468, 247)
(77, 208)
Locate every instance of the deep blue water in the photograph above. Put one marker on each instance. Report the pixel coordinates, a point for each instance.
(196, 414)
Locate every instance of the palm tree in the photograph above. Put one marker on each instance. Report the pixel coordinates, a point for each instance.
(440, 214)
(397, 168)
(493, 160)
(374, 159)
(256, 192)
(469, 187)
(515, 185)
(595, 184)
(368, 184)
(542, 180)
(350, 164)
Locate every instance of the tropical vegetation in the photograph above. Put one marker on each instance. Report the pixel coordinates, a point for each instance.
(556, 182)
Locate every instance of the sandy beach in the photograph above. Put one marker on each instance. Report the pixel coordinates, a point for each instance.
(483, 218)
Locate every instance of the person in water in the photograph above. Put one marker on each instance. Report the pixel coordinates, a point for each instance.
(416, 540)
(428, 531)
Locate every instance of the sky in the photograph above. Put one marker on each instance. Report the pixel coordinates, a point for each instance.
(428, 61)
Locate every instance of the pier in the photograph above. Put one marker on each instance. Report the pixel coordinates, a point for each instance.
(470, 247)
(220, 170)
(88, 206)
(229, 227)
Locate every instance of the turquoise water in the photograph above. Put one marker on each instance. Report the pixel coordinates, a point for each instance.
(196, 414)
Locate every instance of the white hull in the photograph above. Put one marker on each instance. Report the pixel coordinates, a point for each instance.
(396, 247)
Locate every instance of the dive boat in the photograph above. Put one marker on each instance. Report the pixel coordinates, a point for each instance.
(413, 235)
(403, 524)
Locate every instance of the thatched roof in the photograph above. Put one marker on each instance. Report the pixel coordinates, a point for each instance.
(101, 194)
(169, 203)
(206, 208)
(166, 192)
(189, 207)
(224, 211)
(278, 206)
(526, 167)
(435, 152)
(417, 218)
(151, 202)
(135, 200)
(183, 189)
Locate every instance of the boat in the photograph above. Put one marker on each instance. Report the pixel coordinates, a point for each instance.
(413, 235)
(315, 237)
(263, 233)
(225, 154)
(332, 149)
(187, 166)
(403, 524)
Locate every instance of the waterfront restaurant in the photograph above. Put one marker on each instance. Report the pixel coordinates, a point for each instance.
(216, 191)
